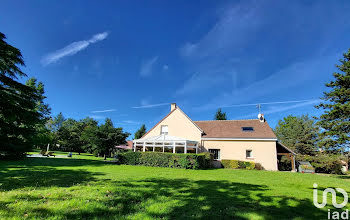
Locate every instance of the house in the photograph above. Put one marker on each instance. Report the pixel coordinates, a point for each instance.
(245, 140)
(126, 146)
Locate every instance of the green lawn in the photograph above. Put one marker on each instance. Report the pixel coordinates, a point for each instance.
(85, 188)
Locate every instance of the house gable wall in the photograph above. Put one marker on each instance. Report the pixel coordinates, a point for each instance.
(179, 125)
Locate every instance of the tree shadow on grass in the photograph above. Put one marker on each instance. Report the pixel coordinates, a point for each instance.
(11, 179)
(346, 177)
(188, 199)
(51, 162)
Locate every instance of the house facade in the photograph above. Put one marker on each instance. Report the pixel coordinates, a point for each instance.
(246, 140)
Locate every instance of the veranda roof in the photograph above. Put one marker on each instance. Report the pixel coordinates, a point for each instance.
(163, 138)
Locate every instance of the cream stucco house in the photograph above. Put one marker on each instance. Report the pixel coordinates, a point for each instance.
(246, 140)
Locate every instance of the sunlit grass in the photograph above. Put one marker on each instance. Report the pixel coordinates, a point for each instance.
(86, 187)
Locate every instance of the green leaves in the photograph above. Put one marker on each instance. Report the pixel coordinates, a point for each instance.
(335, 122)
(298, 133)
(220, 115)
(22, 109)
(139, 133)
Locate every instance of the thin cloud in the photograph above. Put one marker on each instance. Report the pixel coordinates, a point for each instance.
(151, 106)
(102, 111)
(97, 117)
(283, 109)
(147, 67)
(165, 67)
(131, 122)
(72, 49)
(268, 103)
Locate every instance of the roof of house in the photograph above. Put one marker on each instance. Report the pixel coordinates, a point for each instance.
(233, 129)
(128, 145)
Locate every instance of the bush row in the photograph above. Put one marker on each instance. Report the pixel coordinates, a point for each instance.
(157, 159)
(237, 164)
(324, 163)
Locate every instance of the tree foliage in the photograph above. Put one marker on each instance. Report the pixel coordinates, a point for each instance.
(219, 115)
(139, 133)
(87, 135)
(110, 137)
(335, 121)
(20, 105)
(42, 135)
(300, 134)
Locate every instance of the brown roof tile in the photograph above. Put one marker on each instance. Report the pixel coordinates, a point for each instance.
(233, 129)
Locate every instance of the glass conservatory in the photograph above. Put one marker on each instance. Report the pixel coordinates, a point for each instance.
(165, 143)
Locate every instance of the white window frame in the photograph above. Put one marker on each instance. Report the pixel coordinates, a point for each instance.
(161, 129)
(219, 154)
(251, 154)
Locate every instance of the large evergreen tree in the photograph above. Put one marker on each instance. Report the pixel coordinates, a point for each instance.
(19, 113)
(298, 133)
(139, 133)
(335, 122)
(89, 135)
(42, 135)
(110, 137)
(219, 115)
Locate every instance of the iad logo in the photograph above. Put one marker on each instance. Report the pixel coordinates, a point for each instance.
(336, 214)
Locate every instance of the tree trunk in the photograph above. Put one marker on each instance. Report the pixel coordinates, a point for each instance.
(105, 157)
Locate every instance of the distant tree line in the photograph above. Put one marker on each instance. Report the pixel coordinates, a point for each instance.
(25, 121)
(85, 135)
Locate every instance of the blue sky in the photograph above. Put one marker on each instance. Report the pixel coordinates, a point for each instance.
(104, 58)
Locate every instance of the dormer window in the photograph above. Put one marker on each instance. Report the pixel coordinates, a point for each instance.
(247, 129)
(164, 130)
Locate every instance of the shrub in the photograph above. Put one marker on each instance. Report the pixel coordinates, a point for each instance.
(258, 166)
(249, 165)
(130, 158)
(234, 164)
(207, 160)
(158, 159)
(324, 163)
(96, 153)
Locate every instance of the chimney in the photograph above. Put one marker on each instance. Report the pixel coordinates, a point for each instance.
(261, 117)
(172, 106)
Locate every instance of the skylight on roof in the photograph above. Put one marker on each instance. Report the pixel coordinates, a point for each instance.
(247, 129)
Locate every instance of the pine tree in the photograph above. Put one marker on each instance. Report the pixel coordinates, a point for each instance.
(300, 134)
(220, 115)
(42, 135)
(335, 122)
(18, 104)
(139, 133)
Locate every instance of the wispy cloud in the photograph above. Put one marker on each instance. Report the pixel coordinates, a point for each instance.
(165, 67)
(278, 109)
(268, 103)
(72, 49)
(151, 105)
(147, 66)
(131, 122)
(281, 82)
(237, 52)
(97, 117)
(102, 111)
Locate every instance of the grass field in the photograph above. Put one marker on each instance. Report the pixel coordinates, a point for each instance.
(84, 187)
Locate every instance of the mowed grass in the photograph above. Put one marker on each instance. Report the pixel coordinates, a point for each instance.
(85, 188)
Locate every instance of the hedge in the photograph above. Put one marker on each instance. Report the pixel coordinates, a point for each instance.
(237, 164)
(159, 159)
(324, 163)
